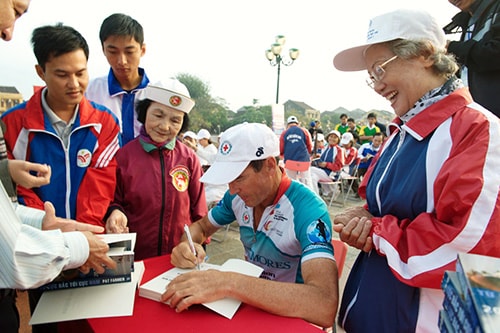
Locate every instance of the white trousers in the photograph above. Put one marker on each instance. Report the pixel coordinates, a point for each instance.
(318, 175)
(302, 176)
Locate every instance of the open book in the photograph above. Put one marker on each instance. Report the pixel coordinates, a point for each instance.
(227, 307)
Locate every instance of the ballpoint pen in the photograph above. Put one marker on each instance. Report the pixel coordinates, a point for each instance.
(191, 244)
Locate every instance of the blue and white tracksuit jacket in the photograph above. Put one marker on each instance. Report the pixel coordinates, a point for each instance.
(83, 177)
(295, 144)
(107, 91)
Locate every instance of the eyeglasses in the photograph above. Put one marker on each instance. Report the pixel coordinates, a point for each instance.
(378, 73)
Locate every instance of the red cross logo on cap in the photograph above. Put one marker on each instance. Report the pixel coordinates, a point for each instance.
(225, 148)
(175, 100)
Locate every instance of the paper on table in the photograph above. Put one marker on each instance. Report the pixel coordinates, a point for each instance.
(226, 306)
(91, 302)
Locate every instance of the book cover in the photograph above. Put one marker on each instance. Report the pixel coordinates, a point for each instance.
(226, 307)
(444, 323)
(120, 250)
(480, 275)
(455, 306)
(112, 300)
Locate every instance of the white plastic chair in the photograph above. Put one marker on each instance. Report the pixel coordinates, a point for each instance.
(334, 183)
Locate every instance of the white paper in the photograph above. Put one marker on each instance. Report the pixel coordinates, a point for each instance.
(226, 307)
(110, 300)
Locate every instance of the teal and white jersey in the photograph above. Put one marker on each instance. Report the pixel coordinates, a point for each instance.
(296, 228)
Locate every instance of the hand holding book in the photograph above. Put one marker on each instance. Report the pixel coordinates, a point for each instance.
(98, 255)
(111, 261)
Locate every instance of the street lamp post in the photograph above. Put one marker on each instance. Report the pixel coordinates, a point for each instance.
(275, 59)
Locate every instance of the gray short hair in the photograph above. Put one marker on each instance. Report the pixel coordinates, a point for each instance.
(444, 63)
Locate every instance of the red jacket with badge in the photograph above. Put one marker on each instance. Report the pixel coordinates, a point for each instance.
(159, 191)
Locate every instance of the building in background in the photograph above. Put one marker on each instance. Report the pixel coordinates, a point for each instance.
(301, 108)
(9, 97)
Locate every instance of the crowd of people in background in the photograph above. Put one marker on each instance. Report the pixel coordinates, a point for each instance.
(343, 152)
(117, 154)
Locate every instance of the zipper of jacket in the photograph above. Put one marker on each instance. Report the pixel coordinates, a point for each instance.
(68, 166)
(401, 139)
(67, 171)
(163, 194)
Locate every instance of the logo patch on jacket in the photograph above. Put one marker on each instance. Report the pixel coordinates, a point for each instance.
(318, 232)
(180, 178)
(83, 158)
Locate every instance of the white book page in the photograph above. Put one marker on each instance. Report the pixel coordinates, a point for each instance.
(226, 306)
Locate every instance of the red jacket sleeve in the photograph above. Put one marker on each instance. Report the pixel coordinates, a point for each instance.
(97, 188)
(339, 160)
(282, 143)
(309, 144)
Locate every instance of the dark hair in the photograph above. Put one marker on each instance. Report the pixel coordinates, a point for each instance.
(142, 106)
(351, 119)
(342, 115)
(371, 115)
(121, 25)
(55, 40)
(257, 165)
(379, 134)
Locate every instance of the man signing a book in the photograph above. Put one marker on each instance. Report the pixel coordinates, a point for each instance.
(284, 227)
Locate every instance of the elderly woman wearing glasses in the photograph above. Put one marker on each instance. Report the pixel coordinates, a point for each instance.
(433, 189)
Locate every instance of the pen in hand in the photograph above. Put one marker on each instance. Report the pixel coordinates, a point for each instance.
(191, 244)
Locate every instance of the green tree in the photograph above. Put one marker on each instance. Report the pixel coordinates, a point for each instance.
(208, 112)
(252, 114)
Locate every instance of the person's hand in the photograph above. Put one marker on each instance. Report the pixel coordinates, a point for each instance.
(51, 221)
(356, 233)
(349, 213)
(189, 143)
(20, 171)
(117, 223)
(196, 287)
(183, 257)
(322, 164)
(98, 258)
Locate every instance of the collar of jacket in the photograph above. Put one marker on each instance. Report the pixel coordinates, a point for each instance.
(424, 123)
(149, 147)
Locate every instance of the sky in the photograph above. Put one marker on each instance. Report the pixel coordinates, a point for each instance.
(223, 43)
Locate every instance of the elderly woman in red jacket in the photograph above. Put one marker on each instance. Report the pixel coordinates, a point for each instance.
(158, 188)
(432, 190)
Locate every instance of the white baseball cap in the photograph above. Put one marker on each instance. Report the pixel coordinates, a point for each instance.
(190, 134)
(346, 138)
(292, 119)
(239, 145)
(203, 134)
(170, 92)
(400, 24)
(337, 133)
